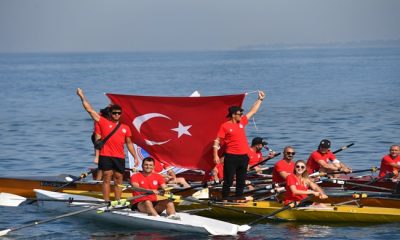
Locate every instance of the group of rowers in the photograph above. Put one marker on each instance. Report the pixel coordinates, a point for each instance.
(232, 157)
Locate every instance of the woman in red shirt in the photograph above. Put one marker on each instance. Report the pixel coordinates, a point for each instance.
(299, 185)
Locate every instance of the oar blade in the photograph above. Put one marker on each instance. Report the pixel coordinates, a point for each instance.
(243, 228)
(4, 232)
(11, 200)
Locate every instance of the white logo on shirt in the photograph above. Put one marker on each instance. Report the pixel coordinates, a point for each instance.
(230, 130)
(124, 130)
(142, 182)
(110, 126)
(240, 125)
(155, 183)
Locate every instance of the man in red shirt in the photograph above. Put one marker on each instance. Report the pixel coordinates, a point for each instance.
(285, 166)
(319, 160)
(148, 179)
(391, 162)
(255, 154)
(112, 155)
(233, 135)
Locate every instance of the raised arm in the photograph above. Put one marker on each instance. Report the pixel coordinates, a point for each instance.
(86, 105)
(256, 105)
(129, 145)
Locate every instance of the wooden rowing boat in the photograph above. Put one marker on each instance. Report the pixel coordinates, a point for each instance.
(137, 220)
(342, 213)
(24, 186)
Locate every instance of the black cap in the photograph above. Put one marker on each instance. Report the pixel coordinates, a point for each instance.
(233, 109)
(258, 140)
(325, 143)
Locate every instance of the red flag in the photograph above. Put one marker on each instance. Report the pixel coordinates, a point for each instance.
(176, 130)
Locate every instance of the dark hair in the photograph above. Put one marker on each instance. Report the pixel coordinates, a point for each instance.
(105, 112)
(115, 107)
(148, 159)
(233, 110)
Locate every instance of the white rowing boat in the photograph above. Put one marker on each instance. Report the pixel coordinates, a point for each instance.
(137, 220)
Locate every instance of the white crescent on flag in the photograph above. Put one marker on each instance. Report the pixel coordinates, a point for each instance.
(138, 121)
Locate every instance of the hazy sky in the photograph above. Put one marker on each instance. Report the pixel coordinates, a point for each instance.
(132, 25)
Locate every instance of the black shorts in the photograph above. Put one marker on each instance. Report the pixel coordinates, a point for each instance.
(134, 207)
(112, 163)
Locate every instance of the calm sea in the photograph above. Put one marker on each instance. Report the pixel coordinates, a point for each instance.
(348, 95)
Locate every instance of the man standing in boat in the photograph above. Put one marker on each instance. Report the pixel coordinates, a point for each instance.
(236, 158)
(319, 160)
(149, 180)
(112, 155)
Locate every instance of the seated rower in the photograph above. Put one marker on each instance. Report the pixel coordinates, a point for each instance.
(298, 185)
(319, 160)
(166, 171)
(255, 154)
(285, 166)
(147, 179)
(391, 162)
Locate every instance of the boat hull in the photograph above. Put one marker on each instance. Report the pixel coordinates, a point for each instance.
(137, 220)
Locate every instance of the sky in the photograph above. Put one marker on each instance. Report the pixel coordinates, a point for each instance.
(185, 25)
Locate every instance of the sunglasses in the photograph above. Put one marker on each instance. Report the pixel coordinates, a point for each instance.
(291, 153)
(301, 166)
(116, 113)
(240, 114)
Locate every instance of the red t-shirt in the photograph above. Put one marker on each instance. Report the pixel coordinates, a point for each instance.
(114, 146)
(281, 166)
(234, 136)
(386, 168)
(254, 157)
(291, 180)
(153, 182)
(312, 162)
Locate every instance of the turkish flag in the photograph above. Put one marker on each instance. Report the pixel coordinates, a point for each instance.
(176, 130)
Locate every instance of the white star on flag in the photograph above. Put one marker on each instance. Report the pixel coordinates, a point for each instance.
(182, 130)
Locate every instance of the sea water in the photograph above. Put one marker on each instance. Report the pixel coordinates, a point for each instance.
(348, 95)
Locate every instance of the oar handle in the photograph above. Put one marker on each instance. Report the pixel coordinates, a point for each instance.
(343, 148)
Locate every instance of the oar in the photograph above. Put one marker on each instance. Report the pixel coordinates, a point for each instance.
(4, 232)
(387, 175)
(263, 161)
(82, 176)
(286, 207)
(194, 200)
(343, 148)
(12, 200)
(372, 170)
(344, 182)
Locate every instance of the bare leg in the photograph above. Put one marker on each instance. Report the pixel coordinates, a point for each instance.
(118, 177)
(165, 205)
(147, 207)
(106, 184)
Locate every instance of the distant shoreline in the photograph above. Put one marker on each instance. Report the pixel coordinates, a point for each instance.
(358, 44)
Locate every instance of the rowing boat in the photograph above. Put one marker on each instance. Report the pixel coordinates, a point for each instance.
(339, 213)
(137, 220)
(24, 186)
